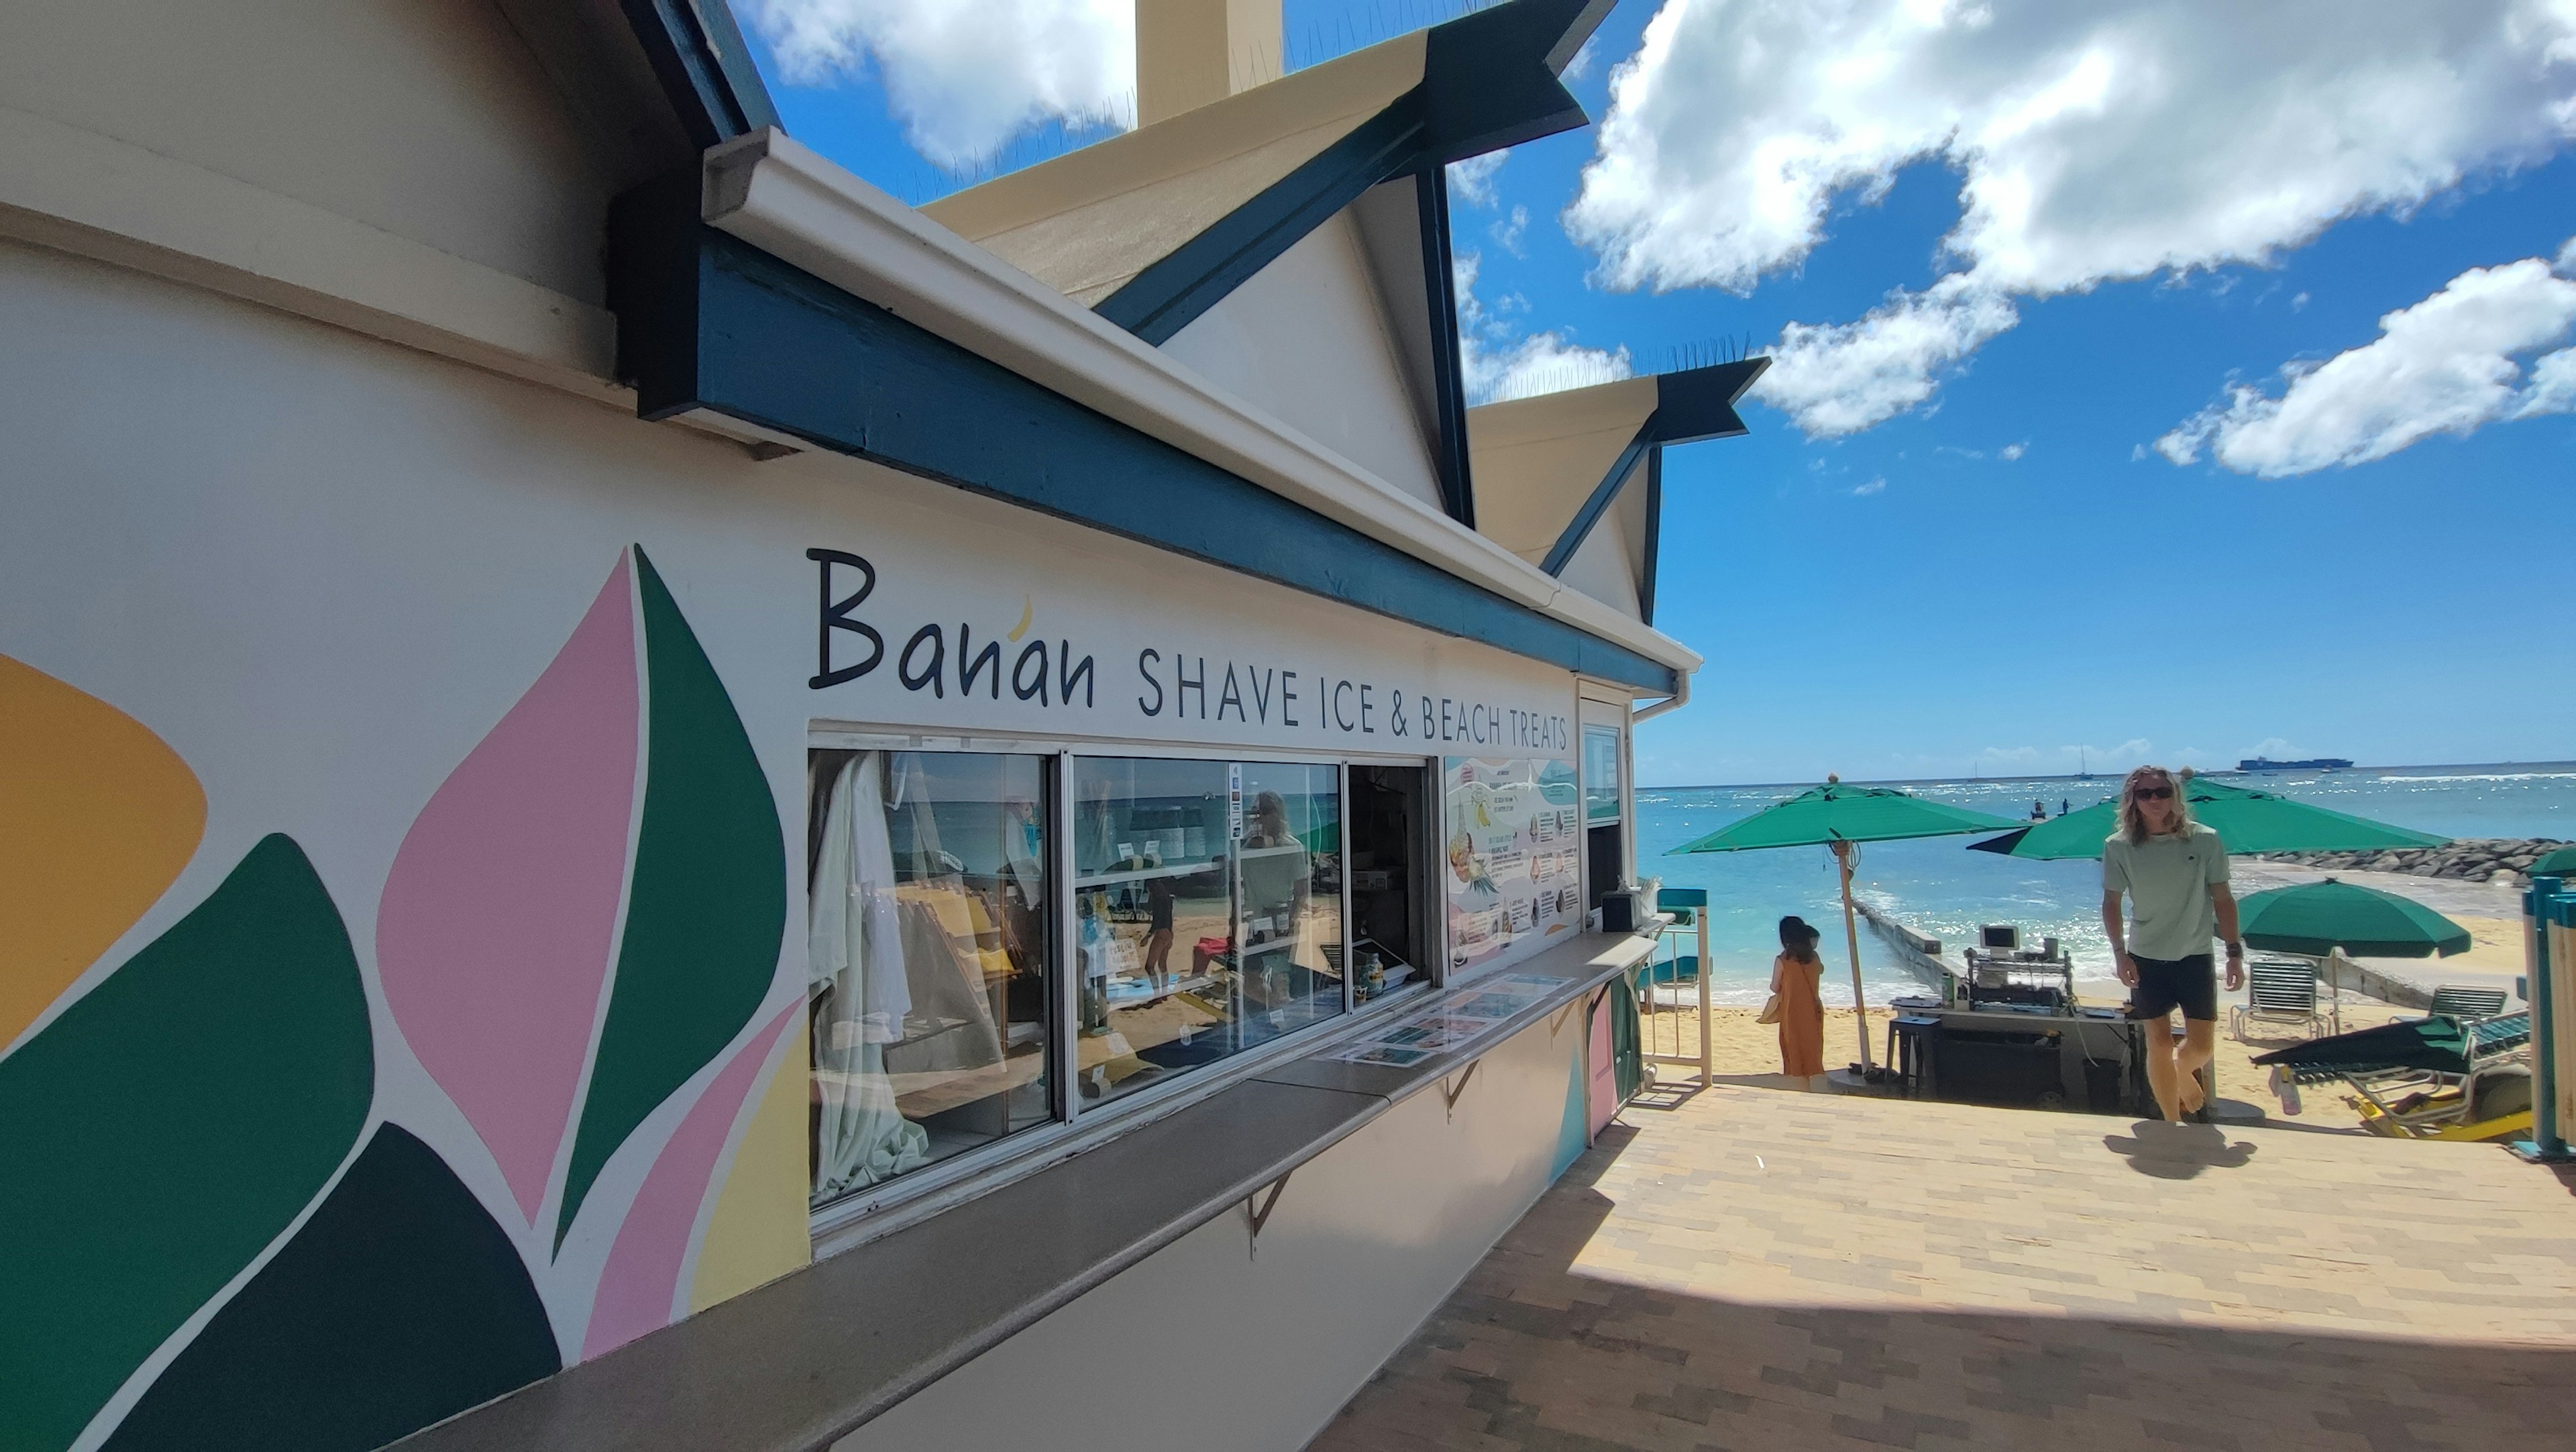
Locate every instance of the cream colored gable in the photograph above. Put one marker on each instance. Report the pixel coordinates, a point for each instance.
(1087, 222)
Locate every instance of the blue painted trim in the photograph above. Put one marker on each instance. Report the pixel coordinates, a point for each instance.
(704, 66)
(708, 321)
(1580, 527)
(1448, 367)
(1195, 276)
(1699, 403)
(1654, 533)
(1489, 80)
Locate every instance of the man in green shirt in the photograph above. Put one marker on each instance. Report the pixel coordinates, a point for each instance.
(2174, 872)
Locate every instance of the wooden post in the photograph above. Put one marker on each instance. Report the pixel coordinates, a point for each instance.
(1851, 941)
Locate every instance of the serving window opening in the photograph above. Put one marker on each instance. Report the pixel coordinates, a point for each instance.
(1390, 878)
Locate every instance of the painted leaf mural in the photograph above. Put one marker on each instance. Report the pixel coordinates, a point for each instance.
(161, 1132)
(499, 928)
(397, 1304)
(97, 816)
(641, 1283)
(494, 933)
(707, 904)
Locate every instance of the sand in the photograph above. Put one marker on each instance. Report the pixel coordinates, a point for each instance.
(1749, 1053)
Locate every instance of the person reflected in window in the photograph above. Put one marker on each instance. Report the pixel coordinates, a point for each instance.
(1159, 897)
(1796, 976)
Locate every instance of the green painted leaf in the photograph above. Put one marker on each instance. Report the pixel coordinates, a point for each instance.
(707, 903)
(161, 1132)
(397, 1305)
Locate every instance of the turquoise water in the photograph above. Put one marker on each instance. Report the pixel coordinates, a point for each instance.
(1936, 886)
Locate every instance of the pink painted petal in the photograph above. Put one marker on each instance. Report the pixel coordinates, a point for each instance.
(639, 1289)
(494, 933)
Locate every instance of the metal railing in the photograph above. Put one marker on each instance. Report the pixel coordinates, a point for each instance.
(1672, 1028)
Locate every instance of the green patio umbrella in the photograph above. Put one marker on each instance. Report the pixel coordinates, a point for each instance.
(2245, 819)
(2558, 863)
(2315, 918)
(1837, 816)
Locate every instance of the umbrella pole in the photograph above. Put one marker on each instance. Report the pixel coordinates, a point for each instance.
(1851, 941)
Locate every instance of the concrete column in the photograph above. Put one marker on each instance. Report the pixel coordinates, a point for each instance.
(1190, 53)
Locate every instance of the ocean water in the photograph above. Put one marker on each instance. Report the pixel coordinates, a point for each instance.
(1936, 886)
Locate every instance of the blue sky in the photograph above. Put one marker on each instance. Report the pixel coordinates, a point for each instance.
(1900, 599)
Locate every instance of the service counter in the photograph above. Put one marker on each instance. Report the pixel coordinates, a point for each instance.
(808, 1358)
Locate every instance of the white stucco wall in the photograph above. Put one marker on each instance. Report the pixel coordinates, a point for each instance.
(1305, 340)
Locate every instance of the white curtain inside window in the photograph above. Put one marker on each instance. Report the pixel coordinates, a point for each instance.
(858, 993)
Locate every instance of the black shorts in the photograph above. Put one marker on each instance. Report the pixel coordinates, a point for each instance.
(2165, 984)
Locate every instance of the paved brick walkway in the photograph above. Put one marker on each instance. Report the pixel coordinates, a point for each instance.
(1766, 1270)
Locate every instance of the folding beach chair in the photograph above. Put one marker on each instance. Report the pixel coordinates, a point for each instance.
(2427, 1078)
(2467, 1004)
(2279, 992)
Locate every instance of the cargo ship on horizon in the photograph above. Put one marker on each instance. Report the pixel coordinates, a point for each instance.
(2317, 763)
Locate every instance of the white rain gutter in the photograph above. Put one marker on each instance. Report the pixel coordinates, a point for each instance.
(1673, 702)
(790, 202)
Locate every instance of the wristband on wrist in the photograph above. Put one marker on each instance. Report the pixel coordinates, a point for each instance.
(2236, 950)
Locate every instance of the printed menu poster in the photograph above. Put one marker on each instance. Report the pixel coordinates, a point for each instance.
(1510, 871)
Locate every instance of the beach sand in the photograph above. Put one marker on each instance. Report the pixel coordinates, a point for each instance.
(1749, 1053)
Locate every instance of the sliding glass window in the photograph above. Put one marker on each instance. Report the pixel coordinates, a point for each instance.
(1207, 912)
(928, 987)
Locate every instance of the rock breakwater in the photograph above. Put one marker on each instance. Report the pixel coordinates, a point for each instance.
(2470, 859)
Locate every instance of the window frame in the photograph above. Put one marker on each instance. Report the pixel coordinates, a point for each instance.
(865, 1214)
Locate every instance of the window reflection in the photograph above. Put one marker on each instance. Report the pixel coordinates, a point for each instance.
(1207, 901)
(927, 983)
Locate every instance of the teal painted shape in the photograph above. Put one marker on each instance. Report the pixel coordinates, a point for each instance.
(398, 1304)
(1569, 1134)
(707, 904)
(160, 1133)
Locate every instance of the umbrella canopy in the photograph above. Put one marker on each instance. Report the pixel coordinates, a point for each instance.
(2245, 819)
(2560, 863)
(1836, 812)
(2316, 918)
(2439, 1045)
(1835, 815)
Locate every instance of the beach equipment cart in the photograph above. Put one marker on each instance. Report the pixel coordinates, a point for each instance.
(1841, 817)
(2248, 820)
(2424, 1078)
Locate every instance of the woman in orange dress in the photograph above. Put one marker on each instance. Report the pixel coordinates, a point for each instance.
(1794, 977)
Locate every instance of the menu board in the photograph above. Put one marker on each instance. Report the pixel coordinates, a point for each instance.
(1513, 849)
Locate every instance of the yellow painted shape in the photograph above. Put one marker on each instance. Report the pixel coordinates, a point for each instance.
(758, 1232)
(97, 816)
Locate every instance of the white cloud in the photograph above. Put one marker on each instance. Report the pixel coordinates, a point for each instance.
(2299, 302)
(1837, 378)
(964, 79)
(2117, 139)
(2445, 365)
(1500, 362)
(1472, 180)
(1507, 231)
(2010, 452)
(1876, 485)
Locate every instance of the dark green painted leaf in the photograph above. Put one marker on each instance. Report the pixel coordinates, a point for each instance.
(707, 904)
(398, 1304)
(158, 1135)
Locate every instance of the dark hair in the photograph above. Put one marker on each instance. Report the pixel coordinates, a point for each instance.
(1798, 937)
